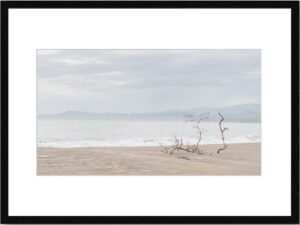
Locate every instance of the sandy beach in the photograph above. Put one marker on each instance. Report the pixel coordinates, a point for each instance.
(238, 159)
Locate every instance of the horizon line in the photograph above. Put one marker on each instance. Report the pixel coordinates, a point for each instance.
(180, 110)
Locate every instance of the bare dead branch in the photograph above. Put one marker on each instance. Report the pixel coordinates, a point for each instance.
(222, 130)
(178, 142)
(177, 146)
(197, 119)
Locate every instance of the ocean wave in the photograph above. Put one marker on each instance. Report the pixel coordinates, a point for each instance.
(135, 142)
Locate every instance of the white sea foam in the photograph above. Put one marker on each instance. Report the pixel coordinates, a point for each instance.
(141, 142)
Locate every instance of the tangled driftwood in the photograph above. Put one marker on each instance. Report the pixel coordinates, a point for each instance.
(195, 148)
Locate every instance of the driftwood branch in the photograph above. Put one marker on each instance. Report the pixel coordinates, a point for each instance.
(191, 148)
(197, 120)
(195, 148)
(177, 146)
(222, 130)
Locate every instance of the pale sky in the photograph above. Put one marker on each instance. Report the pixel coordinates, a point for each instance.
(146, 80)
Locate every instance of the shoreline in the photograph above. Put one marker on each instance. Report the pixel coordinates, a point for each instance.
(142, 146)
(237, 159)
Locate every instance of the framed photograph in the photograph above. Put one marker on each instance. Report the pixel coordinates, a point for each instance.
(150, 112)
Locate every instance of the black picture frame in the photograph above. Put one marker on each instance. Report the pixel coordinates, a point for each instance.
(293, 219)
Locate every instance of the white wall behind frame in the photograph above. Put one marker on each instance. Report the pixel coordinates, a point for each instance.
(266, 29)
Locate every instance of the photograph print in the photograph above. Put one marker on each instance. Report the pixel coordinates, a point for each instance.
(148, 112)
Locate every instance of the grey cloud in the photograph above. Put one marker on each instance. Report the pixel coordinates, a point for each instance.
(102, 75)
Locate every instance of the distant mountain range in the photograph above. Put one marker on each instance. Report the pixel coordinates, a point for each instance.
(235, 113)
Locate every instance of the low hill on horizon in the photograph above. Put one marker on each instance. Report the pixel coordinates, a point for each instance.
(234, 113)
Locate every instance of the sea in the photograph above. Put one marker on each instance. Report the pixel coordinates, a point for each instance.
(61, 133)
